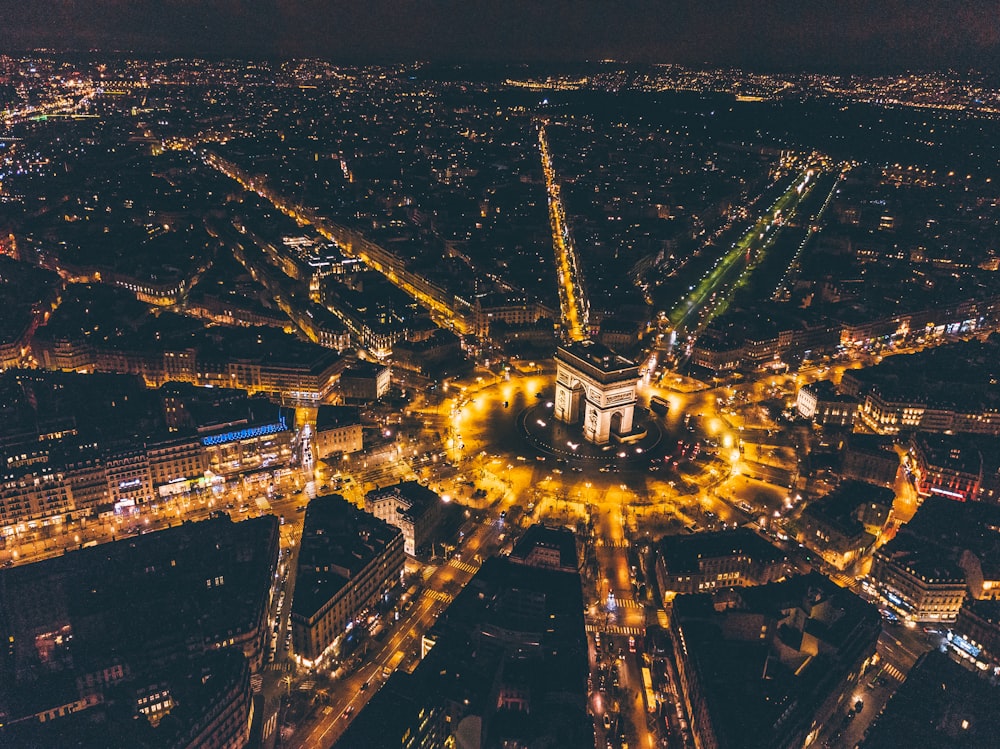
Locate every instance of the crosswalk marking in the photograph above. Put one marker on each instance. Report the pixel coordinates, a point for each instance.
(437, 595)
(628, 603)
(269, 725)
(612, 544)
(614, 629)
(894, 672)
(256, 683)
(464, 566)
(284, 666)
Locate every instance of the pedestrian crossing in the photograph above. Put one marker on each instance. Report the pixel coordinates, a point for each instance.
(256, 683)
(437, 595)
(464, 566)
(282, 666)
(612, 543)
(269, 725)
(614, 629)
(627, 603)
(894, 672)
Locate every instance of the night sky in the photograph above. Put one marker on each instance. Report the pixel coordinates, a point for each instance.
(832, 35)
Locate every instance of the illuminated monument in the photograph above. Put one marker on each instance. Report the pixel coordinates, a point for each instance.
(596, 385)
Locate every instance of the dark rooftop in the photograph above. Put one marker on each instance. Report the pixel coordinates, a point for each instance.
(333, 417)
(338, 540)
(683, 552)
(760, 692)
(512, 625)
(541, 545)
(145, 600)
(940, 705)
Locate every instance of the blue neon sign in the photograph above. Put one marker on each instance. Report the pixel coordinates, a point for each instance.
(245, 434)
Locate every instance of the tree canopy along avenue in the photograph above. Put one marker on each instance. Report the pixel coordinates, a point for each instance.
(711, 293)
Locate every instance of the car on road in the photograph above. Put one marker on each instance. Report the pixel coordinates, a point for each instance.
(347, 711)
(607, 722)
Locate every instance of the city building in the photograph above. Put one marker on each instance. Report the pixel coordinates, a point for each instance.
(164, 624)
(437, 354)
(251, 436)
(506, 665)
(948, 389)
(919, 583)
(413, 508)
(846, 523)
(704, 562)
(975, 635)
(338, 431)
(34, 493)
(365, 382)
(95, 330)
(348, 560)
(948, 552)
(820, 403)
(749, 340)
(514, 310)
(620, 333)
(129, 481)
(946, 465)
(177, 465)
(940, 704)
(767, 666)
(870, 458)
(544, 546)
(595, 387)
(27, 295)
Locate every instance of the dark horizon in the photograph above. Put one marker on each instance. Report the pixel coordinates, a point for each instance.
(779, 36)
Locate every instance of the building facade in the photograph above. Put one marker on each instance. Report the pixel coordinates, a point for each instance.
(338, 431)
(409, 506)
(708, 561)
(916, 583)
(348, 560)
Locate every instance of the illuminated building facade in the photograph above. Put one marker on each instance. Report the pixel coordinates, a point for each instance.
(129, 480)
(845, 524)
(409, 506)
(947, 466)
(261, 441)
(595, 385)
(820, 402)
(338, 431)
(176, 465)
(364, 382)
(915, 581)
(707, 561)
(975, 637)
(347, 561)
(513, 310)
(34, 493)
